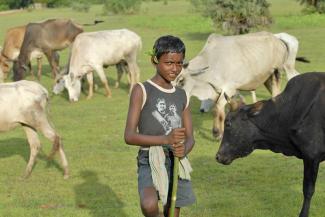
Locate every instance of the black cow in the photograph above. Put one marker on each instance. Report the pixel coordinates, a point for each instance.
(293, 123)
(48, 37)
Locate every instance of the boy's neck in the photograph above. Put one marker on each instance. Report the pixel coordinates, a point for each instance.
(161, 82)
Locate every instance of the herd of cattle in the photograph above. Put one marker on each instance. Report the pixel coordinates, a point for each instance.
(292, 123)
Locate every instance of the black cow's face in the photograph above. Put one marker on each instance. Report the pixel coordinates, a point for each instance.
(238, 136)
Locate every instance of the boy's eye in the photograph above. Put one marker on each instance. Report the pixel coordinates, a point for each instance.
(178, 64)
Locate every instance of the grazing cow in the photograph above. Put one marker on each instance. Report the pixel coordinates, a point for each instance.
(121, 68)
(93, 50)
(23, 103)
(230, 63)
(46, 37)
(293, 123)
(11, 48)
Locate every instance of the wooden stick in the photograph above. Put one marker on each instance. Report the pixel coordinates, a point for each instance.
(174, 188)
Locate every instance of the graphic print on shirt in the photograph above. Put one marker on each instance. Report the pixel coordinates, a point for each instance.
(167, 117)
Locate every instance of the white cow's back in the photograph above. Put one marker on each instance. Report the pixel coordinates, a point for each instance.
(16, 97)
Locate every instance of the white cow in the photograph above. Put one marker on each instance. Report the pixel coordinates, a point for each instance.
(23, 103)
(93, 50)
(230, 63)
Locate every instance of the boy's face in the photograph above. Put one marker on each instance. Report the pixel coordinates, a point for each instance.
(170, 65)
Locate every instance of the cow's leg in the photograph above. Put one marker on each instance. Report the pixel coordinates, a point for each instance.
(39, 68)
(119, 69)
(134, 70)
(30, 68)
(53, 58)
(50, 133)
(103, 78)
(253, 93)
(35, 145)
(218, 118)
(310, 176)
(90, 79)
(127, 71)
(272, 84)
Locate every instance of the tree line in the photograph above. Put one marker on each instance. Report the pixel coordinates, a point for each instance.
(233, 16)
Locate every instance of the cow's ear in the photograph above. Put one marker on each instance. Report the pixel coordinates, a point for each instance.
(255, 109)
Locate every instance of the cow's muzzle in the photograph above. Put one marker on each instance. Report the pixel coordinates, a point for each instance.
(222, 159)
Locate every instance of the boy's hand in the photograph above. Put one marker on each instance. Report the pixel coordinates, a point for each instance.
(178, 149)
(177, 135)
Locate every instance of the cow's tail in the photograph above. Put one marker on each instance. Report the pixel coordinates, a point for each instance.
(303, 59)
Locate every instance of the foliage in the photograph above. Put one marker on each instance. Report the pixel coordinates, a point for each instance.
(313, 6)
(236, 16)
(81, 6)
(122, 6)
(12, 4)
(4, 7)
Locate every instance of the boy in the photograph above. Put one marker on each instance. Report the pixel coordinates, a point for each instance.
(159, 121)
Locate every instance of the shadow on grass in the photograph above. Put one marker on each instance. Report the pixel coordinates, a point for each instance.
(265, 179)
(14, 146)
(18, 146)
(98, 198)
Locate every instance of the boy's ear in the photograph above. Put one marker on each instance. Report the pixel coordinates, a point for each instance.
(154, 60)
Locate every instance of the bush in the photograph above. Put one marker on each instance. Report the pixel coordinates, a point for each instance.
(122, 6)
(4, 7)
(80, 6)
(235, 16)
(318, 7)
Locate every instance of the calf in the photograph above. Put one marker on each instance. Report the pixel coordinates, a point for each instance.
(293, 123)
(23, 103)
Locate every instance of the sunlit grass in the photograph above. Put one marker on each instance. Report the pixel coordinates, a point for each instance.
(103, 178)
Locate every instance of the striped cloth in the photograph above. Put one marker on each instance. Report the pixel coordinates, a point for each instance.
(159, 173)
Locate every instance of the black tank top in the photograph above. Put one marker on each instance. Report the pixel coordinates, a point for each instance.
(162, 109)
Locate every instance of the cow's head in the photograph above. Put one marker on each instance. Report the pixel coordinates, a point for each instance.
(59, 81)
(19, 69)
(194, 85)
(59, 85)
(73, 85)
(239, 134)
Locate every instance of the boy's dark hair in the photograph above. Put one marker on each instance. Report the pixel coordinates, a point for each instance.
(168, 44)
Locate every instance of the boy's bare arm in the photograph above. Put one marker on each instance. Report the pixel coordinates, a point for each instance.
(132, 137)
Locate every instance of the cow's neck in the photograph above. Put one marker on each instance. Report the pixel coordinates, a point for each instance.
(276, 142)
(272, 132)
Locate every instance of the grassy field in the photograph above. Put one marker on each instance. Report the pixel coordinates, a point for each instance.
(103, 178)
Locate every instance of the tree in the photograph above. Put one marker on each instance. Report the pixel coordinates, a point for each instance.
(236, 16)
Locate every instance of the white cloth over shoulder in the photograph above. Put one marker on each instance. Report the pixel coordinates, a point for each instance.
(159, 172)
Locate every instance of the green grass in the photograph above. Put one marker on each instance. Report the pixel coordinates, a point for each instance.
(103, 178)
